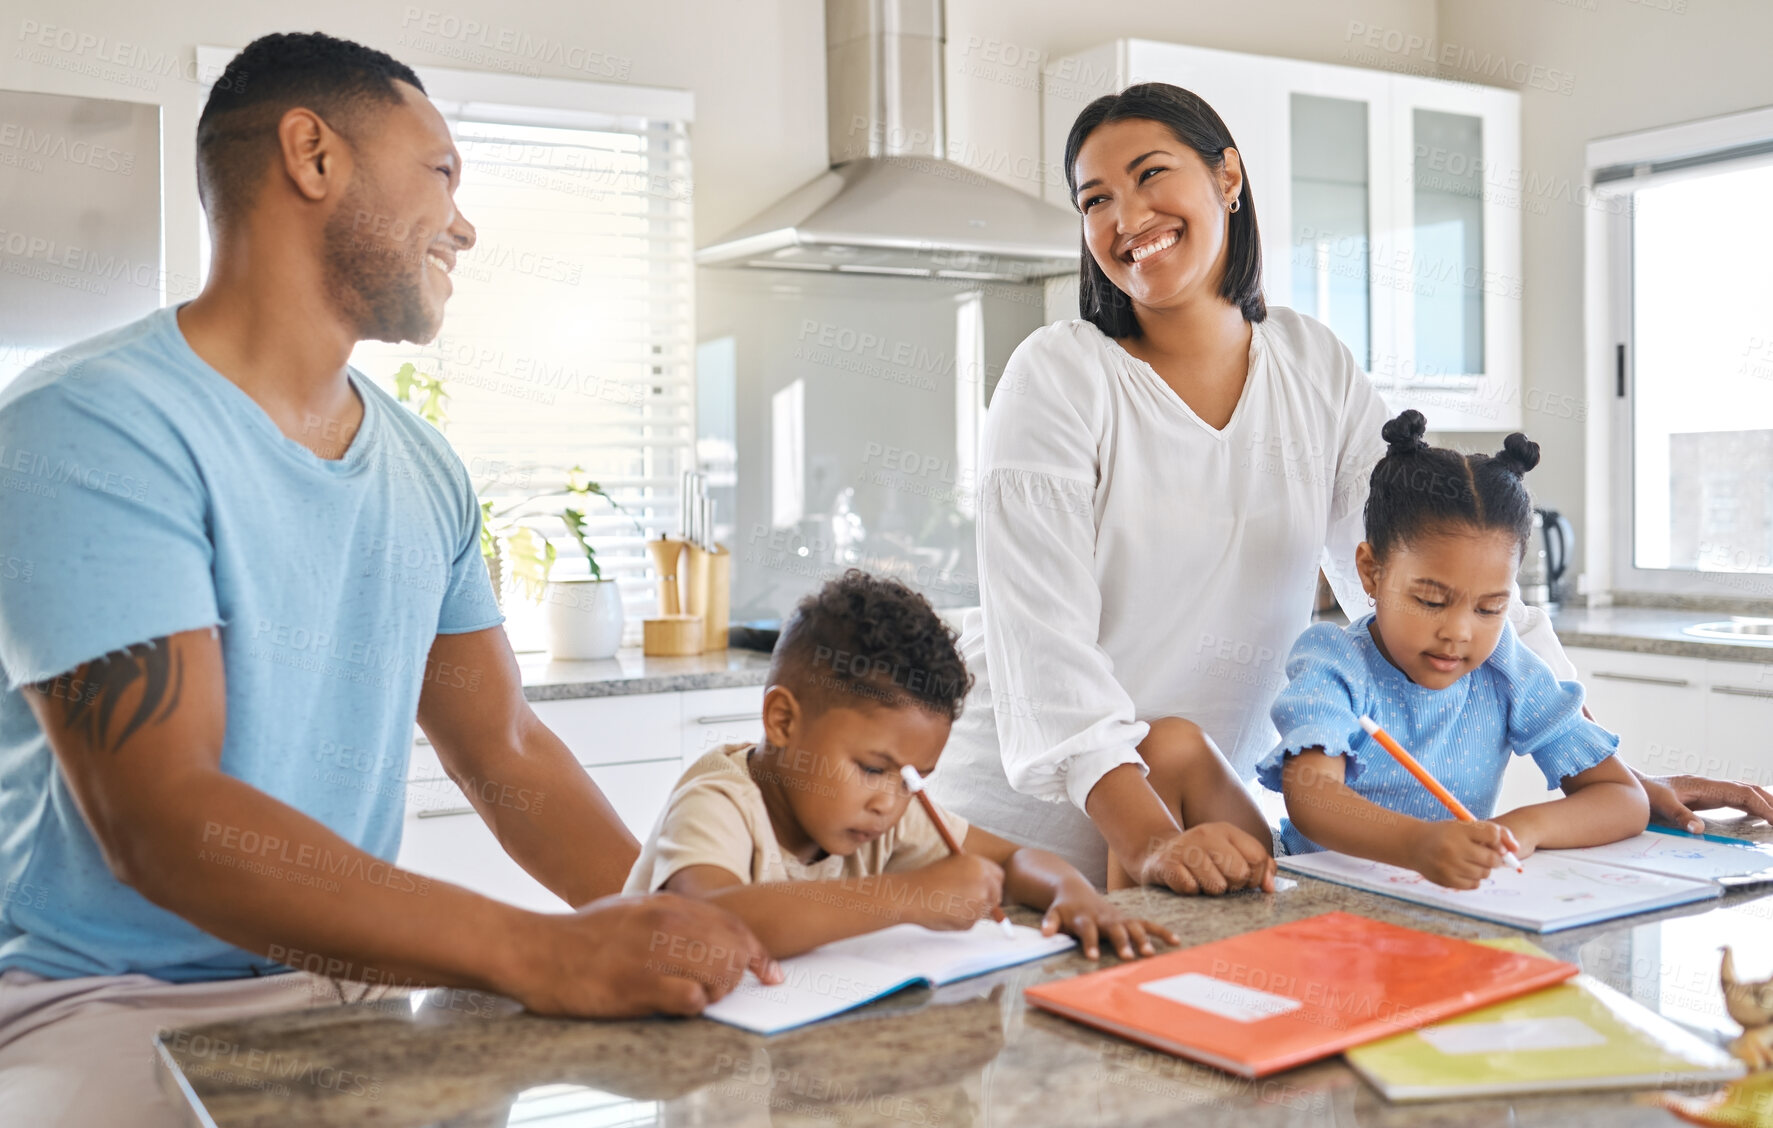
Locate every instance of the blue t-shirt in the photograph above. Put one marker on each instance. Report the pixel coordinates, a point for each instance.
(1462, 734)
(141, 494)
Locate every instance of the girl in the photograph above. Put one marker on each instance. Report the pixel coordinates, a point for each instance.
(1438, 665)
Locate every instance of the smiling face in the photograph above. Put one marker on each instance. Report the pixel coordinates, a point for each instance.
(831, 783)
(1440, 600)
(393, 238)
(1154, 214)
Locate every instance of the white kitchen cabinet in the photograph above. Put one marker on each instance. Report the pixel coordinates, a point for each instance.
(713, 717)
(633, 746)
(1390, 206)
(1738, 721)
(1655, 702)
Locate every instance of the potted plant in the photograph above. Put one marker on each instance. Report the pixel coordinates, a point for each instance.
(584, 612)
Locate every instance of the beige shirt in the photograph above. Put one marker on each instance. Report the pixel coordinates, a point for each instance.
(716, 817)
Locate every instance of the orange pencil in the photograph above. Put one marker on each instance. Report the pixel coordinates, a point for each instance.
(914, 784)
(1447, 798)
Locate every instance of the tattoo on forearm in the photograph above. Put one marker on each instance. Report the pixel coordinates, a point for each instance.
(91, 694)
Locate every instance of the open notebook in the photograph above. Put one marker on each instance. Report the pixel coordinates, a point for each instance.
(850, 973)
(1580, 1034)
(1563, 888)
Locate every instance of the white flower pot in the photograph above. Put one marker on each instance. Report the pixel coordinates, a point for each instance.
(584, 618)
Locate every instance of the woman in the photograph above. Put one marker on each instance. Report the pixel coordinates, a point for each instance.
(1157, 495)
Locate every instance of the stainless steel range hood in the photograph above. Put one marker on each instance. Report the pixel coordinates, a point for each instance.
(892, 203)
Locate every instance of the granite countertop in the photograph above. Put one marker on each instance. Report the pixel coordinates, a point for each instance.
(971, 1053)
(630, 671)
(1652, 630)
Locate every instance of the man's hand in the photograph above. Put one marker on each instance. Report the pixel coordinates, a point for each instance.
(1675, 798)
(957, 891)
(629, 956)
(1459, 855)
(1211, 858)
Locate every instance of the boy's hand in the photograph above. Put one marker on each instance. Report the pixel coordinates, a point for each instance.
(1087, 915)
(959, 890)
(1459, 855)
(1211, 858)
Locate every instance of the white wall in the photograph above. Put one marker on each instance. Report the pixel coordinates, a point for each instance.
(1632, 64)
(756, 66)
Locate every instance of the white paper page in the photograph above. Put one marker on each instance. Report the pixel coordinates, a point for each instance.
(819, 984)
(1679, 856)
(1554, 892)
(1234, 1001)
(943, 957)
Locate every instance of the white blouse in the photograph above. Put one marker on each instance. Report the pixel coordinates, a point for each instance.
(1135, 563)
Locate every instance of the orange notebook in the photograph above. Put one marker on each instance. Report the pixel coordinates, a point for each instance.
(1266, 1001)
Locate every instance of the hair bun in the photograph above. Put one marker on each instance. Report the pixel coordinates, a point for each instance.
(1519, 454)
(1405, 433)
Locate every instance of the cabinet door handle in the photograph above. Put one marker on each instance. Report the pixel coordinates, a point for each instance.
(422, 740)
(445, 812)
(1738, 691)
(1643, 678)
(728, 718)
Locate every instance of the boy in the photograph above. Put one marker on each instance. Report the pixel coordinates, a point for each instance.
(811, 836)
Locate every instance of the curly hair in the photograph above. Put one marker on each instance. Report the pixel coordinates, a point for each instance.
(862, 639)
(237, 131)
(1419, 489)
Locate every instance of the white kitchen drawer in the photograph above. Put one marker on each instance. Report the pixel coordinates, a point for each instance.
(611, 730)
(450, 842)
(1655, 702)
(712, 717)
(599, 730)
(1738, 719)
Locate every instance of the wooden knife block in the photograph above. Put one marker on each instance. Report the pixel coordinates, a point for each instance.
(695, 599)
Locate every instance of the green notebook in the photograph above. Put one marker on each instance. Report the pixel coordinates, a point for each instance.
(1580, 1034)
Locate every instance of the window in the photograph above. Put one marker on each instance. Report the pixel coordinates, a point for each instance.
(1691, 318)
(568, 338)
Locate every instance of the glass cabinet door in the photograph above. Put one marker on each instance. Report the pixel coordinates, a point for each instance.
(1448, 242)
(1330, 237)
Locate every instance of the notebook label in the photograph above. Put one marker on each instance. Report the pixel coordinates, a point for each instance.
(1217, 997)
(1515, 1034)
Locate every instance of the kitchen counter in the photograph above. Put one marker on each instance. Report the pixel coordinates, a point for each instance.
(1652, 630)
(630, 671)
(968, 1054)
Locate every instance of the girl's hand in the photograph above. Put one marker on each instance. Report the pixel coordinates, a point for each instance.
(1460, 855)
(1087, 915)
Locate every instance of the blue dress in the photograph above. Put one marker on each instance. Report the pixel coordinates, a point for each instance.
(1462, 734)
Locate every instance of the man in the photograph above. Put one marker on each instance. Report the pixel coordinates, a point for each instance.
(252, 569)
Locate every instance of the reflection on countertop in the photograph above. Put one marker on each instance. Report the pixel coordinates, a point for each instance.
(1652, 630)
(631, 671)
(968, 1054)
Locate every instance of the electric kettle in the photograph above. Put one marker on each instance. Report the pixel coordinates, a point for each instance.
(1547, 558)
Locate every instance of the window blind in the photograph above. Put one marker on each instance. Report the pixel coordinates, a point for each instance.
(568, 339)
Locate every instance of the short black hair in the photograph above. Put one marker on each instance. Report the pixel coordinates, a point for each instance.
(1196, 125)
(1417, 489)
(869, 640)
(237, 133)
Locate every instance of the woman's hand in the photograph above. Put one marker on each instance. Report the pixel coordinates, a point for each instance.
(1210, 858)
(1084, 913)
(1675, 797)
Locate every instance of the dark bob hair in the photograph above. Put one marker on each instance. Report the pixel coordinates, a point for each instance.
(1196, 125)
